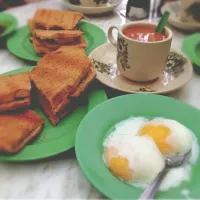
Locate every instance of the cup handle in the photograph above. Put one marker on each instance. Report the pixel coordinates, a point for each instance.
(110, 35)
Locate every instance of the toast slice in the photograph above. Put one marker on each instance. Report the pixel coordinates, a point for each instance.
(69, 104)
(43, 47)
(40, 48)
(57, 19)
(58, 37)
(32, 26)
(63, 70)
(84, 84)
(17, 129)
(60, 34)
(15, 92)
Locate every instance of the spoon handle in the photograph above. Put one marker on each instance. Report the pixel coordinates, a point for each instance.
(152, 189)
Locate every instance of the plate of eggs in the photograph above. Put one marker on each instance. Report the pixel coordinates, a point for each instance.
(122, 145)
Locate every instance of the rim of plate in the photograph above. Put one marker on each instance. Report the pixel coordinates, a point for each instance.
(175, 21)
(189, 45)
(156, 92)
(97, 8)
(12, 26)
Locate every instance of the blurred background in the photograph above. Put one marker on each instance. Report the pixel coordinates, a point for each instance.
(5, 4)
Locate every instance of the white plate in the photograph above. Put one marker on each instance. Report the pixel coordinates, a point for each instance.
(104, 62)
(94, 10)
(174, 19)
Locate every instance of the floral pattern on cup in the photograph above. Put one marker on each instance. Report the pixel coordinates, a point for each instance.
(122, 56)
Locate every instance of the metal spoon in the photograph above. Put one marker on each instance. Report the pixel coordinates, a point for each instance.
(171, 162)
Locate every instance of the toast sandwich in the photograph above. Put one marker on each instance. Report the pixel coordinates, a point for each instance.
(17, 129)
(15, 92)
(67, 74)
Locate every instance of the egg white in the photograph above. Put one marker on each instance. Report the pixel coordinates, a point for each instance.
(133, 147)
(180, 138)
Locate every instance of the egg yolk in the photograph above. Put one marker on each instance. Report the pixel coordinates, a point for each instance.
(118, 165)
(159, 134)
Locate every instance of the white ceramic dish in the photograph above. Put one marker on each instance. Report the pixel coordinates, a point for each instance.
(110, 6)
(174, 19)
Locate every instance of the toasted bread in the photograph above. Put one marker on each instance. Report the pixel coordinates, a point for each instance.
(63, 73)
(17, 129)
(60, 34)
(38, 47)
(67, 106)
(56, 19)
(43, 47)
(14, 91)
(64, 70)
(32, 26)
(84, 84)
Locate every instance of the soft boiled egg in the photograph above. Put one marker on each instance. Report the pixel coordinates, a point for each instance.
(135, 151)
(137, 160)
(132, 158)
(170, 136)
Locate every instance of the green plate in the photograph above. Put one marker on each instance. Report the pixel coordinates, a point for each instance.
(20, 45)
(9, 21)
(95, 126)
(191, 47)
(56, 139)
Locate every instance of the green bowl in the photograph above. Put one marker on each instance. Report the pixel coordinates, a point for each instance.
(98, 122)
(191, 47)
(9, 21)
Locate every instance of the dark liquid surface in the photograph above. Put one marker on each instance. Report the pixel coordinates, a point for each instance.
(143, 33)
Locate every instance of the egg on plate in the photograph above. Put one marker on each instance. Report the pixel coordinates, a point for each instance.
(128, 159)
(170, 136)
(135, 150)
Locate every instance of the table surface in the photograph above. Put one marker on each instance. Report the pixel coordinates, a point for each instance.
(60, 176)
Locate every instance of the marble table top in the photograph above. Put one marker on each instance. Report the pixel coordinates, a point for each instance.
(60, 176)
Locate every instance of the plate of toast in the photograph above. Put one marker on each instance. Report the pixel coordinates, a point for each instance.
(41, 107)
(50, 29)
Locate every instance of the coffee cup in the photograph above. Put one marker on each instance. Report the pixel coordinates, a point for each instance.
(140, 60)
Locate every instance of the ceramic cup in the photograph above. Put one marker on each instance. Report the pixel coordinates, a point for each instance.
(140, 61)
(93, 3)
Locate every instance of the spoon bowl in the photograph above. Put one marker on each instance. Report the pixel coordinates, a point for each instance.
(178, 160)
(171, 162)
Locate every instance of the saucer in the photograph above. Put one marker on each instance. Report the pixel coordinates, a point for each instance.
(177, 73)
(174, 18)
(110, 6)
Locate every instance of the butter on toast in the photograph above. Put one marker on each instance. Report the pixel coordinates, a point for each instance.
(17, 129)
(15, 92)
(57, 19)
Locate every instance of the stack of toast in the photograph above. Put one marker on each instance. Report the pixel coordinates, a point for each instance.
(67, 73)
(18, 123)
(52, 29)
(58, 80)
